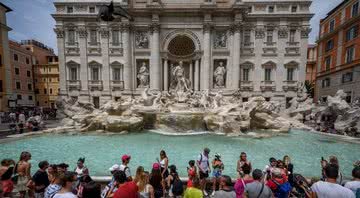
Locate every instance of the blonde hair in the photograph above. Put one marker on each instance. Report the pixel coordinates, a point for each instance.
(143, 181)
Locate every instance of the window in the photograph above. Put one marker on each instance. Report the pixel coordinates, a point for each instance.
(17, 71)
(96, 102)
(355, 9)
(73, 73)
(352, 33)
(116, 74)
(27, 60)
(348, 77)
(16, 58)
(0, 60)
(49, 79)
(45, 91)
(267, 99)
(247, 37)
(71, 37)
(29, 87)
(28, 73)
(293, 8)
(331, 25)
(348, 97)
(288, 102)
(92, 9)
(1, 86)
(327, 63)
(93, 37)
(329, 45)
(18, 85)
(245, 99)
(267, 74)
(269, 36)
(37, 91)
(271, 9)
(49, 69)
(290, 74)
(117, 99)
(115, 37)
(246, 74)
(95, 73)
(292, 36)
(70, 9)
(51, 91)
(30, 98)
(326, 82)
(249, 9)
(350, 52)
(19, 97)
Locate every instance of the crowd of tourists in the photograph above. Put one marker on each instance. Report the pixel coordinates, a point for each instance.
(205, 179)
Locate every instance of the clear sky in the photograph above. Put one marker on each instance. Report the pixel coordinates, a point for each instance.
(31, 19)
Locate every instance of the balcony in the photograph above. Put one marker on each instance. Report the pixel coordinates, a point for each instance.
(117, 85)
(292, 43)
(72, 48)
(270, 43)
(246, 86)
(73, 85)
(94, 43)
(290, 85)
(95, 85)
(268, 86)
(72, 44)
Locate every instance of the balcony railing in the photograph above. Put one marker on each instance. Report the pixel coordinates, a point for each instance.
(290, 85)
(246, 86)
(117, 85)
(267, 85)
(292, 43)
(73, 84)
(72, 44)
(95, 85)
(94, 43)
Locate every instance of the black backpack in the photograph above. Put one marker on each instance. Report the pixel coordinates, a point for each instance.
(178, 187)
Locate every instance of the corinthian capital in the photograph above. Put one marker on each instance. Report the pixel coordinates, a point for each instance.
(82, 32)
(59, 32)
(305, 32)
(236, 27)
(154, 27)
(104, 32)
(125, 27)
(207, 26)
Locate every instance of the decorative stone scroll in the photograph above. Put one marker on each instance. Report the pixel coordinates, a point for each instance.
(59, 32)
(141, 40)
(259, 33)
(220, 40)
(283, 32)
(305, 32)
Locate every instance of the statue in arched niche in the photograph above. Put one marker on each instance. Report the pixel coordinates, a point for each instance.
(219, 75)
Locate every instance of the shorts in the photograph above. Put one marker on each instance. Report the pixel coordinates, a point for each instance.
(21, 183)
(216, 174)
(7, 186)
(203, 175)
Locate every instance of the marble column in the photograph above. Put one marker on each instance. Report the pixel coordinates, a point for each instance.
(166, 77)
(196, 81)
(106, 78)
(155, 64)
(191, 74)
(206, 62)
(61, 55)
(236, 59)
(82, 32)
(127, 57)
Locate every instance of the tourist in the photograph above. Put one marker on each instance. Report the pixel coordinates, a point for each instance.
(24, 176)
(55, 185)
(194, 191)
(241, 182)
(290, 169)
(257, 189)
(124, 166)
(354, 185)
(156, 181)
(280, 165)
(6, 172)
(243, 160)
(218, 167)
(191, 170)
(126, 188)
(164, 163)
(174, 182)
(139, 173)
(91, 190)
(68, 180)
(82, 183)
(330, 188)
(268, 168)
(62, 168)
(145, 188)
(204, 169)
(111, 187)
(22, 118)
(225, 190)
(279, 184)
(332, 160)
(41, 179)
(52, 169)
(81, 169)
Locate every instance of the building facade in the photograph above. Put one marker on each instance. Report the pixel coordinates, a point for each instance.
(5, 87)
(251, 47)
(338, 65)
(21, 76)
(311, 64)
(46, 73)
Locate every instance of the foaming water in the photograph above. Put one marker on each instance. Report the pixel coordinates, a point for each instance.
(102, 151)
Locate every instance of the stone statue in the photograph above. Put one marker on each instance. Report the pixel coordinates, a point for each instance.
(179, 81)
(219, 76)
(204, 100)
(108, 13)
(141, 40)
(143, 76)
(217, 99)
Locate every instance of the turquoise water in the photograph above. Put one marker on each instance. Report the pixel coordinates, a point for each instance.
(102, 151)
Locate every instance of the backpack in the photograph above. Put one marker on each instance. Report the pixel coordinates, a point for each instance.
(177, 188)
(282, 190)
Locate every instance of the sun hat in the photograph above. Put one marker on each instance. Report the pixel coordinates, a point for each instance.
(114, 167)
(125, 157)
(156, 166)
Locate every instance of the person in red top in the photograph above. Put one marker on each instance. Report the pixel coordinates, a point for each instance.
(191, 173)
(125, 189)
(278, 177)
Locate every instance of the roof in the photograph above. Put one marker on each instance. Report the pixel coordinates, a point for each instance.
(7, 8)
(335, 9)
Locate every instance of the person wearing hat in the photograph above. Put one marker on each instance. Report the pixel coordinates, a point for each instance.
(124, 166)
(204, 168)
(278, 179)
(111, 187)
(218, 167)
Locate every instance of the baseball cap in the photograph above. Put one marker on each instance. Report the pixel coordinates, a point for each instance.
(114, 167)
(156, 166)
(125, 157)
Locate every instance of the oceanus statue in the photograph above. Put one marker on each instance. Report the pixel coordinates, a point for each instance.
(109, 12)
